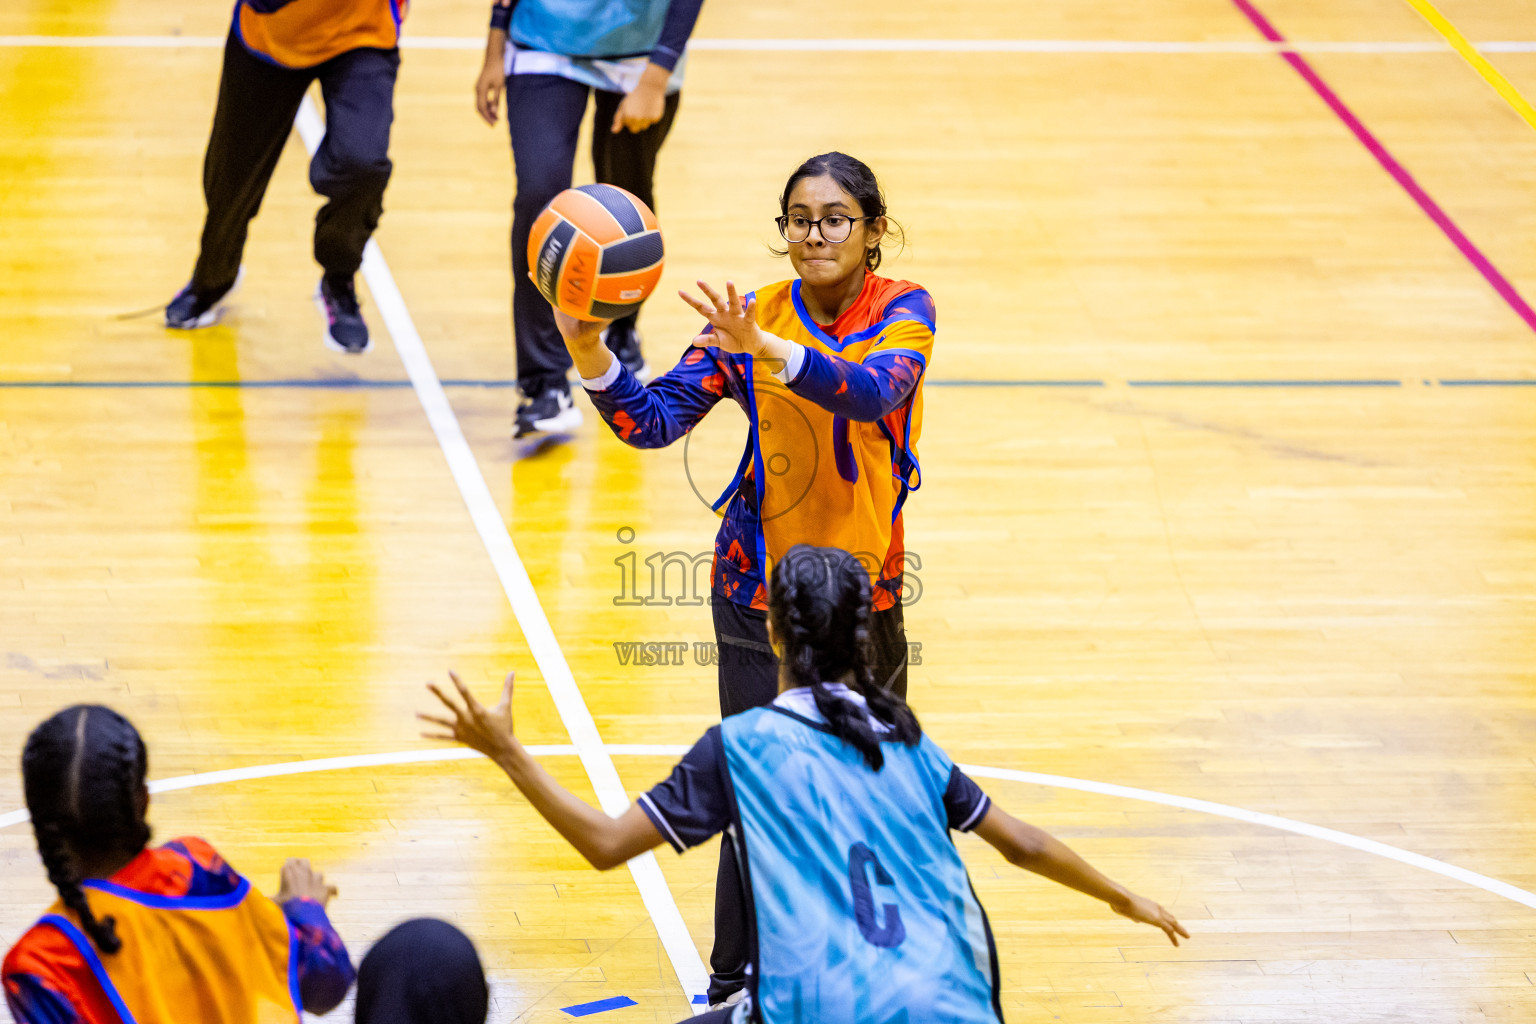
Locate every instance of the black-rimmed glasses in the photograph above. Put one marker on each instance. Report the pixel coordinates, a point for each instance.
(834, 227)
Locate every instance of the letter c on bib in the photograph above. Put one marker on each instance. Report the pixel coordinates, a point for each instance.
(890, 932)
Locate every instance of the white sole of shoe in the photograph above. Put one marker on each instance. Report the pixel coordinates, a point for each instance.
(214, 313)
(569, 419)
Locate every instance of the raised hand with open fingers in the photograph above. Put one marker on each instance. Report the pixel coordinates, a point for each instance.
(488, 730)
(734, 320)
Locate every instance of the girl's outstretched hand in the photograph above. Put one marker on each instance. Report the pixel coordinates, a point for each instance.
(488, 730)
(734, 321)
(1145, 911)
(300, 881)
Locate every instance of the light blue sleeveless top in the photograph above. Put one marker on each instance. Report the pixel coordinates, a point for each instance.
(589, 28)
(864, 911)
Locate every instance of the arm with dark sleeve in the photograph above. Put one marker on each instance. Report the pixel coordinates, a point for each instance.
(876, 386)
(47, 981)
(682, 15)
(655, 415)
(862, 392)
(691, 804)
(32, 1000)
(325, 968)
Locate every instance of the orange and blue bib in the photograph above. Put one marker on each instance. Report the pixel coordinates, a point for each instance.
(232, 956)
(198, 944)
(303, 33)
(832, 453)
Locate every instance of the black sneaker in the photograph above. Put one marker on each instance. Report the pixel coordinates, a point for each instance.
(623, 340)
(344, 327)
(189, 310)
(550, 411)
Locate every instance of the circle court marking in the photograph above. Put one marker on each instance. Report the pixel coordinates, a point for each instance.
(1301, 828)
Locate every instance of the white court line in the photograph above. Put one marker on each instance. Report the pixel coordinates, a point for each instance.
(336, 764)
(546, 651)
(1087, 46)
(1300, 828)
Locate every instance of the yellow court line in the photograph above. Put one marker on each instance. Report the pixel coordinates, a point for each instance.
(1501, 85)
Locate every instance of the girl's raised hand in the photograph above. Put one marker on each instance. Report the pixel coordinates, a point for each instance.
(300, 881)
(734, 321)
(488, 730)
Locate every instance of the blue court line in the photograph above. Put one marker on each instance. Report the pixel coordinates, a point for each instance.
(1015, 383)
(701, 1000)
(602, 1005)
(352, 384)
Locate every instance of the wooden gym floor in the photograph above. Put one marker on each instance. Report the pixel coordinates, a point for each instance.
(1228, 486)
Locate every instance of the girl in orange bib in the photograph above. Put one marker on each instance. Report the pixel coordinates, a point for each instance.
(828, 367)
(154, 936)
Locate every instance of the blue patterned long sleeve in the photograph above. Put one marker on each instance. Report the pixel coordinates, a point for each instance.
(655, 415)
(862, 392)
(871, 388)
(325, 968)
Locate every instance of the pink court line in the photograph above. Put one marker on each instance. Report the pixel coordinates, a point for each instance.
(1399, 173)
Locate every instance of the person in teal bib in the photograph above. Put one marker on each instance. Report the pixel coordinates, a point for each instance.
(860, 909)
(549, 57)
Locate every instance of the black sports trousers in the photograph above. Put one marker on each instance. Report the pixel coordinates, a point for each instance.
(544, 113)
(256, 106)
(748, 673)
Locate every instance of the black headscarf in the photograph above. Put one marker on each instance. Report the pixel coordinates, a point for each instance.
(423, 972)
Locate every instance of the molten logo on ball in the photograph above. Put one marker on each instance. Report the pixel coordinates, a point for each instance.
(597, 252)
(576, 280)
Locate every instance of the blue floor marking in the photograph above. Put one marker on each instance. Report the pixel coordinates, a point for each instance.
(1015, 383)
(697, 1000)
(601, 1006)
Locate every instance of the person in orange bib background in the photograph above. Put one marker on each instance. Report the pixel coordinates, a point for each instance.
(828, 368)
(166, 935)
(276, 48)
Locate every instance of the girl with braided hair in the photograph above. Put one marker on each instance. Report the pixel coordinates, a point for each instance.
(154, 935)
(859, 907)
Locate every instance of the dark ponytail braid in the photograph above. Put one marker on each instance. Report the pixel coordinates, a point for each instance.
(83, 770)
(819, 603)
